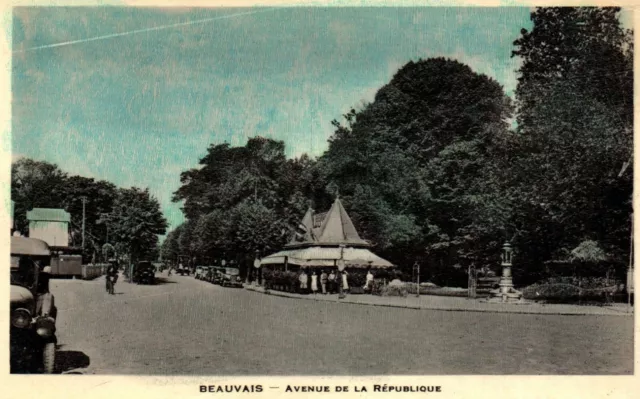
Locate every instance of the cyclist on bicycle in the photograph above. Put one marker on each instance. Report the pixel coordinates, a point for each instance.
(112, 273)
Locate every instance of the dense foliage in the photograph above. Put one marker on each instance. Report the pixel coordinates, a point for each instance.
(243, 200)
(135, 222)
(130, 220)
(434, 170)
(575, 111)
(416, 167)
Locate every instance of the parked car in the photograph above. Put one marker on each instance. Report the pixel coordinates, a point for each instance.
(183, 270)
(144, 273)
(32, 306)
(199, 273)
(230, 277)
(216, 275)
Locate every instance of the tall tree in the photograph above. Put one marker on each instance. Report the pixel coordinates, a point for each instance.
(170, 249)
(35, 184)
(586, 46)
(412, 166)
(233, 182)
(99, 196)
(135, 222)
(575, 111)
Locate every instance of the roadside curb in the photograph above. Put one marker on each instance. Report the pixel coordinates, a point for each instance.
(444, 309)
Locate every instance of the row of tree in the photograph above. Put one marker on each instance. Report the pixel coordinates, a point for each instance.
(129, 219)
(434, 171)
(242, 200)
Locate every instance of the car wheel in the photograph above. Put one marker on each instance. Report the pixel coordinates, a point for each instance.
(49, 357)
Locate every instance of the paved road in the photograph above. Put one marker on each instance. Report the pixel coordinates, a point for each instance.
(189, 327)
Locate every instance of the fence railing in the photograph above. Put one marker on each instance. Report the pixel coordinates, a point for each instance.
(90, 271)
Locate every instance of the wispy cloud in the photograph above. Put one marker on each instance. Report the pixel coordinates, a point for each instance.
(136, 97)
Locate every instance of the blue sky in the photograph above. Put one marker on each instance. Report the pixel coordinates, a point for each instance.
(138, 109)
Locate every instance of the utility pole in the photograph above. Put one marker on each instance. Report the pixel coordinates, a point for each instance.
(84, 203)
(417, 267)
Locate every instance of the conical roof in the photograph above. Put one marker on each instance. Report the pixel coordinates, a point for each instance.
(304, 232)
(336, 229)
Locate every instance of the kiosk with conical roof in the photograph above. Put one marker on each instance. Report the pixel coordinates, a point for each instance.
(323, 240)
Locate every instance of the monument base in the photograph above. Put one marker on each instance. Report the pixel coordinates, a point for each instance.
(506, 295)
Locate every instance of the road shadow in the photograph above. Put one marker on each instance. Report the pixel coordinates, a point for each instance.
(66, 361)
(163, 281)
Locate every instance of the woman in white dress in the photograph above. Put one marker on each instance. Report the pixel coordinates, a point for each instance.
(345, 283)
(314, 282)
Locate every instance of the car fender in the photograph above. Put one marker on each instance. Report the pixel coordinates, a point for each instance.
(46, 304)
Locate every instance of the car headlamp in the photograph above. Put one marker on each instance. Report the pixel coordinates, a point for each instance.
(21, 318)
(45, 327)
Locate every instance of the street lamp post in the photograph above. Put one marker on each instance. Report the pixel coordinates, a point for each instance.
(256, 264)
(506, 292)
(416, 268)
(341, 270)
(506, 282)
(84, 203)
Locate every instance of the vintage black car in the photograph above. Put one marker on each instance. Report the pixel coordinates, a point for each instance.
(201, 272)
(144, 273)
(216, 273)
(230, 277)
(33, 311)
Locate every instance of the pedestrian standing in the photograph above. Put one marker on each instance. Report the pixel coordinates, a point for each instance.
(323, 281)
(332, 282)
(345, 283)
(314, 283)
(368, 285)
(304, 279)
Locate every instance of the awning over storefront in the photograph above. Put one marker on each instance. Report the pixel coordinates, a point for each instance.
(327, 257)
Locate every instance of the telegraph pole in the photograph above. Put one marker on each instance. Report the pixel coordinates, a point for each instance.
(84, 203)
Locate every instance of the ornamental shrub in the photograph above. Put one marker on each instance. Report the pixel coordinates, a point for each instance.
(566, 290)
(291, 279)
(356, 277)
(394, 290)
(378, 285)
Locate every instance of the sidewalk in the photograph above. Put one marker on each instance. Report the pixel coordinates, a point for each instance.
(457, 304)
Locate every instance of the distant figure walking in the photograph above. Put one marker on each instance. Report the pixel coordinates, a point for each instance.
(111, 277)
(314, 282)
(323, 281)
(304, 281)
(345, 283)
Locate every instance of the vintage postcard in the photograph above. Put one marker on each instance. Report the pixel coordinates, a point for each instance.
(329, 199)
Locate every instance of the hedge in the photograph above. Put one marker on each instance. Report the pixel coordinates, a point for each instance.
(564, 290)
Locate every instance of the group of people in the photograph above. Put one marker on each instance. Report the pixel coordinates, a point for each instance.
(328, 283)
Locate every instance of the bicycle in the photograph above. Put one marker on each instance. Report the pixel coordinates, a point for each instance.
(110, 285)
